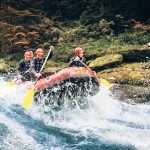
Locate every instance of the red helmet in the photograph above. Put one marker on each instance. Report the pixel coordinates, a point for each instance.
(28, 54)
(40, 50)
(78, 50)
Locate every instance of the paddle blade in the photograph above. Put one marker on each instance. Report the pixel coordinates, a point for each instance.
(10, 83)
(105, 83)
(28, 98)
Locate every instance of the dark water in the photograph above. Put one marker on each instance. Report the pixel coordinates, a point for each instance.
(107, 124)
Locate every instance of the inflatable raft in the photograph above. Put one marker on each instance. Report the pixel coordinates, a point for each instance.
(71, 74)
(69, 84)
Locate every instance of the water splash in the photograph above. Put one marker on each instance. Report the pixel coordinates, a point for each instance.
(106, 123)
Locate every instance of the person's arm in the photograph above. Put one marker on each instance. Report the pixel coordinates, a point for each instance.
(19, 69)
(33, 66)
(84, 60)
(71, 63)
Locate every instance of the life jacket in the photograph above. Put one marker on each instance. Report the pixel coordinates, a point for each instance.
(37, 64)
(23, 66)
(73, 63)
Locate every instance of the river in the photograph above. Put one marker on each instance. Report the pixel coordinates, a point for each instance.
(107, 124)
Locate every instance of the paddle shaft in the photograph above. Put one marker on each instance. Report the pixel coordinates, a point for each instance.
(88, 68)
(13, 82)
(105, 82)
(24, 73)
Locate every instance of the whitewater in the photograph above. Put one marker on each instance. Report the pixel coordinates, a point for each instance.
(107, 123)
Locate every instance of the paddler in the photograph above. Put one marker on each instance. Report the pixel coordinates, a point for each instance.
(75, 61)
(23, 69)
(37, 62)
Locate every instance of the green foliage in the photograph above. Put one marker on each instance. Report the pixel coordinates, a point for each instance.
(63, 53)
(95, 25)
(137, 38)
(120, 24)
(105, 27)
(93, 47)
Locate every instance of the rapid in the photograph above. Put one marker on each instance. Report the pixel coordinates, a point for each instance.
(106, 124)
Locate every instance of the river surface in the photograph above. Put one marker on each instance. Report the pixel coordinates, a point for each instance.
(107, 124)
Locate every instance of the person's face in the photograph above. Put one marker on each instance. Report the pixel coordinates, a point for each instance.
(28, 58)
(81, 54)
(40, 55)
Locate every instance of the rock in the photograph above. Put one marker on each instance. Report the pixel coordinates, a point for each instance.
(106, 61)
(131, 94)
(133, 74)
(2, 65)
(130, 54)
(148, 44)
(112, 78)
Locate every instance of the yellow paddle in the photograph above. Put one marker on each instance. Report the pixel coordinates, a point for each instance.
(102, 81)
(11, 83)
(30, 93)
(105, 83)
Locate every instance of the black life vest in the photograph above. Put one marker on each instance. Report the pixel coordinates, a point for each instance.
(24, 66)
(37, 64)
(77, 63)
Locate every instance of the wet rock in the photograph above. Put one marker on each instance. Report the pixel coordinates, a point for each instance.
(130, 54)
(131, 94)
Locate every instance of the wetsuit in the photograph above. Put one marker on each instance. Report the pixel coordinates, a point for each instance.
(23, 70)
(73, 63)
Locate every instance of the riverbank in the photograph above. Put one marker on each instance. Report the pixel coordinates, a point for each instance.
(121, 66)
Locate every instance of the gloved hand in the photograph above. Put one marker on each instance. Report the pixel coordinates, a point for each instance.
(94, 73)
(51, 47)
(38, 75)
(77, 58)
(19, 76)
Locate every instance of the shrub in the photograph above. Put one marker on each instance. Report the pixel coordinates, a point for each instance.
(105, 27)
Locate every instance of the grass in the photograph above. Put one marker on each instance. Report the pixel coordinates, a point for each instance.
(93, 47)
(124, 41)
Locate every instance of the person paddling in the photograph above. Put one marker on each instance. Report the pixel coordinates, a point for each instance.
(23, 69)
(75, 61)
(37, 62)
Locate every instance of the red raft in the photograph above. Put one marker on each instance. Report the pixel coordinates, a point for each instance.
(67, 84)
(71, 74)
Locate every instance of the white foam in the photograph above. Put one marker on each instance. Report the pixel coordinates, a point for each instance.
(107, 118)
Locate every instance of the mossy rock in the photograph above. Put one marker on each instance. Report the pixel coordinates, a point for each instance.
(2, 65)
(133, 74)
(130, 54)
(11, 65)
(106, 61)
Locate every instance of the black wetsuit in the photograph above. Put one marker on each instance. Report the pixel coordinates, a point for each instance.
(23, 70)
(73, 63)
